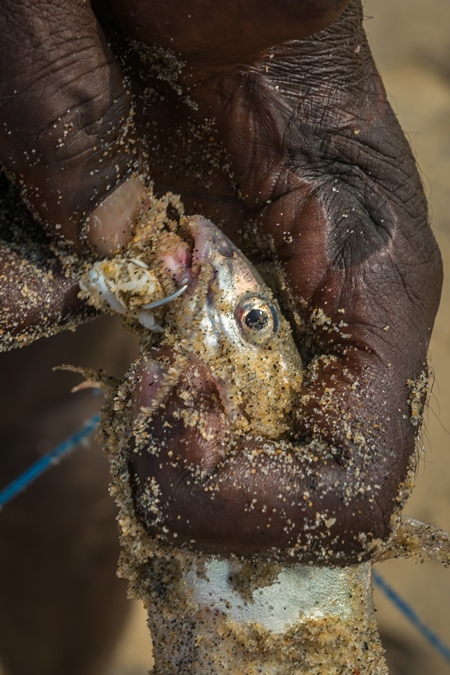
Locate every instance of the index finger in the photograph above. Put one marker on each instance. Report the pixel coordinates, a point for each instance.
(65, 111)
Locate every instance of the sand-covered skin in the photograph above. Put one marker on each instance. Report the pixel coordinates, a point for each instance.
(413, 62)
(200, 628)
(46, 300)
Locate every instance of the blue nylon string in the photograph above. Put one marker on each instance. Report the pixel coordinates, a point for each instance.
(42, 465)
(434, 639)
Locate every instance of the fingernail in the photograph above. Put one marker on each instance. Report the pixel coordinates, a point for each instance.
(111, 224)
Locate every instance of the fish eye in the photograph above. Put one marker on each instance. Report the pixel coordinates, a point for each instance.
(257, 319)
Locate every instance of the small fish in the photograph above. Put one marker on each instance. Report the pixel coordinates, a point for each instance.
(229, 319)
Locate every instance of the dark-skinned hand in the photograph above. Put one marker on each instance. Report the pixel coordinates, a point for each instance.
(269, 116)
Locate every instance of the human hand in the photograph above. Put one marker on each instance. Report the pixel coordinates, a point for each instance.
(314, 159)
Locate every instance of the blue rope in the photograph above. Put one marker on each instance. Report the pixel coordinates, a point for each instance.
(411, 615)
(42, 465)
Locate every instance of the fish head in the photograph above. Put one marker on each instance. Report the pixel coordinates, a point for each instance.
(230, 321)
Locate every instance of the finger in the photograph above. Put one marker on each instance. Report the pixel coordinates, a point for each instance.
(330, 178)
(222, 32)
(65, 115)
(38, 300)
(37, 296)
(295, 500)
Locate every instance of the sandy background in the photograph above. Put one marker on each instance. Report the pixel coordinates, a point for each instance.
(411, 44)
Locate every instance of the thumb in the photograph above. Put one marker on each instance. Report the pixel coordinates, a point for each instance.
(66, 119)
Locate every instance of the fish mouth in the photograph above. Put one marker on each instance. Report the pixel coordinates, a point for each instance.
(206, 243)
(209, 241)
